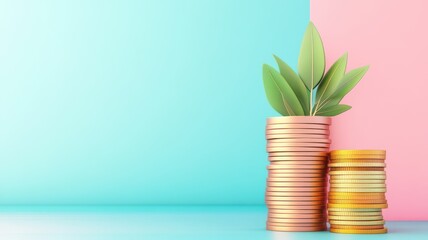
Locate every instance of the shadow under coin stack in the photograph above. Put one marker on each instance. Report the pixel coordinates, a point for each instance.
(357, 191)
(296, 186)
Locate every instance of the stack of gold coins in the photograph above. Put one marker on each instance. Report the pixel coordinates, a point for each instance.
(296, 186)
(357, 191)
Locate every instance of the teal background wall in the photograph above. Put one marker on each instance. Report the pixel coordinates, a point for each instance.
(138, 102)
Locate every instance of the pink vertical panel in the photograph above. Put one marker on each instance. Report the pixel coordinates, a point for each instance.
(390, 103)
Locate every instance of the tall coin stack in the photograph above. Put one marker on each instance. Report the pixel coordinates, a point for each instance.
(357, 191)
(296, 186)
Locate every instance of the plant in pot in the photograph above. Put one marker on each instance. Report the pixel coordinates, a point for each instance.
(298, 141)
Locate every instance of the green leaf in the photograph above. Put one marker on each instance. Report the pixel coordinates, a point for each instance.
(334, 110)
(332, 78)
(279, 94)
(311, 64)
(295, 83)
(348, 82)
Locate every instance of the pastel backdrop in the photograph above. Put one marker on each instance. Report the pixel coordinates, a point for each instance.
(389, 109)
(138, 102)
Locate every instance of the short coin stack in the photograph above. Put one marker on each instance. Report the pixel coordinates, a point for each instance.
(357, 191)
(296, 186)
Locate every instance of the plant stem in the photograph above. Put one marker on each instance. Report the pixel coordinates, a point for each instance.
(310, 105)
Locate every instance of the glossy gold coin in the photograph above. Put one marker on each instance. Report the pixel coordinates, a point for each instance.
(296, 229)
(297, 184)
(297, 131)
(298, 216)
(358, 181)
(357, 201)
(357, 223)
(365, 190)
(295, 194)
(298, 158)
(313, 162)
(356, 231)
(300, 120)
(297, 211)
(296, 149)
(357, 164)
(357, 152)
(364, 198)
(357, 177)
(357, 195)
(357, 169)
(349, 157)
(297, 220)
(354, 218)
(297, 171)
(356, 185)
(358, 227)
(340, 209)
(347, 160)
(291, 198)
(295, 207)
(294, 203)
(285, 177)
(300, 140)
(334, 173)
(296, 166)
(296, 125)
(355, 214)
(336, 205)
(298, 154)
(274, 185)
(293, 136)
(298, 144)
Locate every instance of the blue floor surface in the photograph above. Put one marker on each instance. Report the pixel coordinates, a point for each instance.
(166, 222)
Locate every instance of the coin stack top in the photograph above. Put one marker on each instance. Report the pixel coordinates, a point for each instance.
(296, 184)
(357, 191)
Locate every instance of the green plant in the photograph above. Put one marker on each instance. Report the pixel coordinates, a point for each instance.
(310, 92)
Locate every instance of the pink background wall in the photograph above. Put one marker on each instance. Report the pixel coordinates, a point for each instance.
(390, 103)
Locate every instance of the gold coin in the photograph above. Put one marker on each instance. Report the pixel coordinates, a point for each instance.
(357, 223)
(296, 229)
(355, 198)
(356, 231)
(296, 125)
(356, 201)
(295, 207)
(290, 179)
(298, 144)
(322, 222)
(356, 185)
(296, 189)
(359, 227)
(333, 173)
(298, 158)
(296, 149)
(294, 215)
(358, 189)
(297, 211)
(356, 195)
(340, 209)
(362, 151)
(304, 177)
(298, 220)
(295, 171)
(296, 184)
(298, 154)
(357, 164)
(354, 218)
(293, 194)
(300, 120)
(356, 156)
(291, 198)
(300, 140)
(297, 131)
(357, 177)
(351, 160)
(356, 214)
(357, 169)
(295, 135)
(296, 167)
(314, 162)
(358, 181)
(368, 205)
(295, 203)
